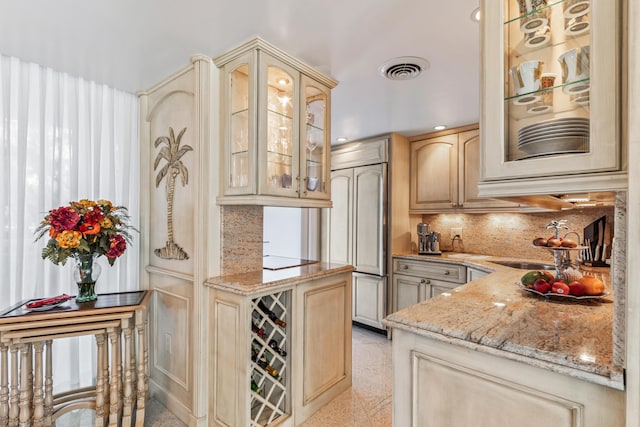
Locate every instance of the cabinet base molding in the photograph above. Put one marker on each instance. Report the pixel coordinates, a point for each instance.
(181, 412)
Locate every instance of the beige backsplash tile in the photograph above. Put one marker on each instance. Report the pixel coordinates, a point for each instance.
(241, 239)
(511, 234)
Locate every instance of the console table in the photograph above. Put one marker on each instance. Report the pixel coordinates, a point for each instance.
(119, 323)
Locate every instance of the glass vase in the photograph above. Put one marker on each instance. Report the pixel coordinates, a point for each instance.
(85, 273)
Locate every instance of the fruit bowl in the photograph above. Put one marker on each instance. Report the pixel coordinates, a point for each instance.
(562, 296)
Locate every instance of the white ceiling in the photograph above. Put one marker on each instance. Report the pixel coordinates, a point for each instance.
(132, 44)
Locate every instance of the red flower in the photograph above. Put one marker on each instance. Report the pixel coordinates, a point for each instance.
(63, 218)
(93, 216)
(117, 246)
(89, 228)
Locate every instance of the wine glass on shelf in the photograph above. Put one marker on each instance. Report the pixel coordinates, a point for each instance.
(312, 144)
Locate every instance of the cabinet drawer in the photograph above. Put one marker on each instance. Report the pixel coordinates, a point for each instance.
(433, 270)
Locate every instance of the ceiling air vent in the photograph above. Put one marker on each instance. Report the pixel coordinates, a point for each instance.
(403, 68)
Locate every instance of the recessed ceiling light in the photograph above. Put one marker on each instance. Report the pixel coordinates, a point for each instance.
(342, 139)
(283, 81)
(403, 68)
(475, 15)
(439, 127)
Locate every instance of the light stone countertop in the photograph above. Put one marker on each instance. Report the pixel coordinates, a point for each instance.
(494, 315)
(259, 281)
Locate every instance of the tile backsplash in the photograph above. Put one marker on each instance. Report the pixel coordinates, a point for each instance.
(511, 234)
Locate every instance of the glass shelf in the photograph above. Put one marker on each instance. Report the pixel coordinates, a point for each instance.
(279, 114)
(534, 12)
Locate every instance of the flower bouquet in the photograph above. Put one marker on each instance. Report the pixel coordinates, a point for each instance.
(85, 230)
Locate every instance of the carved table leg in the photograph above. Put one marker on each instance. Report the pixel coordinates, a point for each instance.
(25, 407)
(114, 338)
(48, 384)
(4, 385)
(119, 363)
(105, 375)
(100, 343)
(143, 370)
(127, 391)
(30, 375)
(14, 409)
(38, 398)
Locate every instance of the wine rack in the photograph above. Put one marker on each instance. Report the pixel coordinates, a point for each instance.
(269, 358)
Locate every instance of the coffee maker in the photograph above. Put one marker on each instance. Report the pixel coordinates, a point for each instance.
(428, 241)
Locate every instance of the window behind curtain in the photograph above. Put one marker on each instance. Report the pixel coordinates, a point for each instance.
(63, 139)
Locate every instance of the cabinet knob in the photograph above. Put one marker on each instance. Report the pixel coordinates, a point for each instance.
(446, 273)
(405, 267)
(423, 281)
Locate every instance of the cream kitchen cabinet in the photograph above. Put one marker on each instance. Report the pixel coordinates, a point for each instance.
(280, 353)
(551, 98)
(416, 280)
(445, 172)
(275, 129)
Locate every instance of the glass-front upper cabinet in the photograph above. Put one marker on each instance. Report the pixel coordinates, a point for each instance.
(275, 129)
(551, 94)
(315, 137)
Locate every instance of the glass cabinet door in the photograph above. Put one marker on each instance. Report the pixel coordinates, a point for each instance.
(279, 153)
(559, 88)
(314, 139)
(240, 161)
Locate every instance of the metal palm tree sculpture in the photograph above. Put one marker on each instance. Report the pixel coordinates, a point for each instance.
(172, 153)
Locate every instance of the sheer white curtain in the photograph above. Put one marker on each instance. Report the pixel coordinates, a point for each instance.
(63, 139)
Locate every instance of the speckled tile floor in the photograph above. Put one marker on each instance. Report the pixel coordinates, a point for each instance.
(366, 404)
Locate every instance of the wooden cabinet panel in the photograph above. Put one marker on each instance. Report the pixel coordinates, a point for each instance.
(369, 296)
(321, 351)
(408, 291)
(436, 382)
(445, 172)
(340, 231)
(434, 166)
(369, 219)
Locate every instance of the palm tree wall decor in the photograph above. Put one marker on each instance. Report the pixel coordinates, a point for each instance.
(172, 153)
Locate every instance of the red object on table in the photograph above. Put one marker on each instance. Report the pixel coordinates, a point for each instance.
(49, 301)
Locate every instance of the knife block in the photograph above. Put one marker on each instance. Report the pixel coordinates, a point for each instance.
(594, 238)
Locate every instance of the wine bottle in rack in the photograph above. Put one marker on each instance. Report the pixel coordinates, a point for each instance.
(274, 318)
(254, 387)
(264, 364)
(257, 330)
(274, 345)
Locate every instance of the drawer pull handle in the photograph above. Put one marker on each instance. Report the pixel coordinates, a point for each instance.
(446, 273)
(405, 267)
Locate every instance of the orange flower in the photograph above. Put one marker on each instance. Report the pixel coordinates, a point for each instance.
(69, 239)
(53, 232)
(89, 228)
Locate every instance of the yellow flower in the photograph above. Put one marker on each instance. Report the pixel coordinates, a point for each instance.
(86, 203)
(106, 223)
(107, 203)
(69, 239)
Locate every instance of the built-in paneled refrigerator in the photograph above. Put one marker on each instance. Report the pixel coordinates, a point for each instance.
(359, 228)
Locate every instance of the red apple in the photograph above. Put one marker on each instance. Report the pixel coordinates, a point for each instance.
(542, 286)
(559, 287)
(577, 289)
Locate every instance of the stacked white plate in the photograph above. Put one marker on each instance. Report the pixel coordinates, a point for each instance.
(555, 136)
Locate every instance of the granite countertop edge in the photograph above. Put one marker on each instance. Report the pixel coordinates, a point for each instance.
(259, 281)
(497, 335)
(614, 380)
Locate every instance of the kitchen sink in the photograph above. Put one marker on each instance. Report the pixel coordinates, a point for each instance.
(524, 265)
